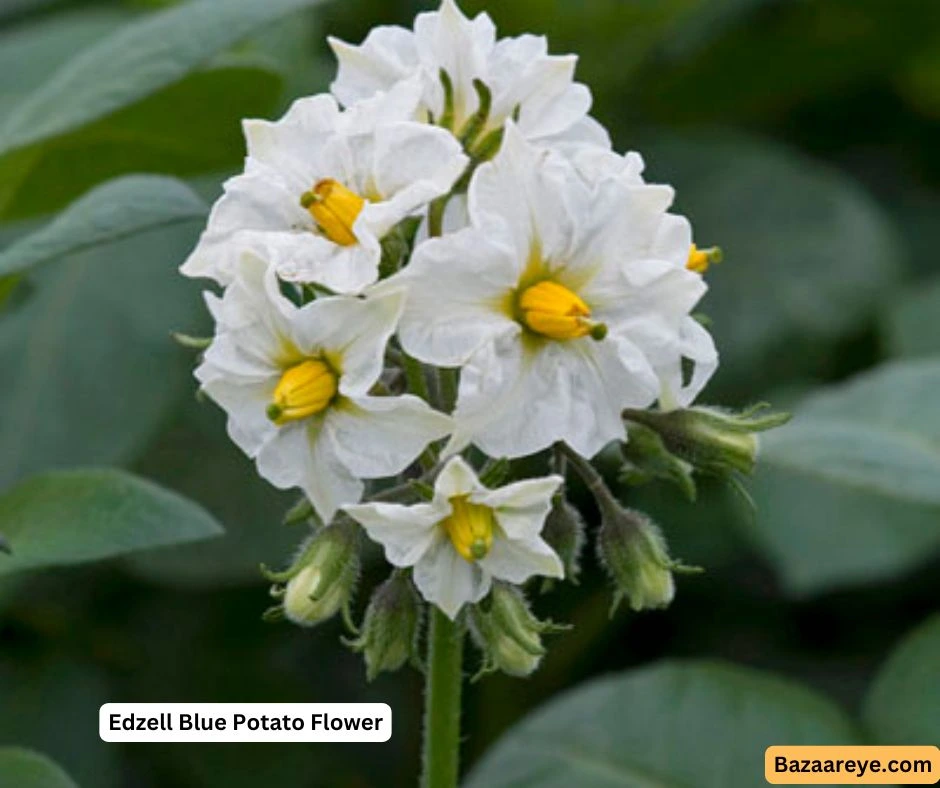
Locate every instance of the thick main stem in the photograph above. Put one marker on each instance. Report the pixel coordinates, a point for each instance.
(442, 703)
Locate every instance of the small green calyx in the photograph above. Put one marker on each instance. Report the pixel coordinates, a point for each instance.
(509, 636)
(320, 582)
(388, 637)
(711, 440)
(633, 550)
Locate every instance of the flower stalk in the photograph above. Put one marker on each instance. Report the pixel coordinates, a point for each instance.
(442, 697)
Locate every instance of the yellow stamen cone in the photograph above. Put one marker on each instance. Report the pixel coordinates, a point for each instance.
(554, 311)
(303, 390)
(470, 528)
(700, 259)
(335, 209)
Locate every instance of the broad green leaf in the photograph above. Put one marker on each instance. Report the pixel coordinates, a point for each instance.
(903, 704)
(113, 211)
(850, 490)
(808, 255)
(672, 725)
(31, 53)
(140, 59)
(27, 769)
(912, 324)
(90, 371)
(70, 517)
(196, 457)
(190, 127)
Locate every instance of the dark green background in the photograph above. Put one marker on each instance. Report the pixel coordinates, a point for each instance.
(801, 136)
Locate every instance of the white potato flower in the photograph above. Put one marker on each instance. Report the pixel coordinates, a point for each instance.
(559, 302)
(467, 535)
(321, 188)
(295, 384)
(673, 242)
(524, 81)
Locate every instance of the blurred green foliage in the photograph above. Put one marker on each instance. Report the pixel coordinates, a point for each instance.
(801, 137)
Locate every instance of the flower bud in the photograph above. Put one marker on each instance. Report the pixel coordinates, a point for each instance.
(564, 532)
(634, 552)
(389, 633)
(322, 580)
(507, 632)
(713, 441)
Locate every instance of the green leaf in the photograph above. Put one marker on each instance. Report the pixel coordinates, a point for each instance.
(912, 325)
(807, 254)
(115, 210)
(672, 725)
(30, 54)
(70, 517)
(138, 60)
(903, 704)
(90, 370)
(850, 490)
(27, 769)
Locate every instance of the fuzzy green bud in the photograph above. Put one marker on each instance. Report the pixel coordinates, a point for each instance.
(713, 441)
(634, 552)
(322, 580)
(507, 632)
(389, 634)
(564, 532)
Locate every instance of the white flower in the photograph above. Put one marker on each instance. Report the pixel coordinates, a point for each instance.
(559, 301)
(522, 77)
(672, 241)
(467, 535)
(295, 381)
(321, 188)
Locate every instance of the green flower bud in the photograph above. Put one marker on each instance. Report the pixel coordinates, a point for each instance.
(713, 441)
(322, 579)
(564, 532)
(507, 632)
(634, 552)
(389, 634)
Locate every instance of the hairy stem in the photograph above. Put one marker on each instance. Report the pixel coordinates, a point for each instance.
(442, 703)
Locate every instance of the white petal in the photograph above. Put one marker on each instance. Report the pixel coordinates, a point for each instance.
(521, 508)
(380, 436)
(308, 257)
(456, 289)
(514, 402)
(352, 331)
(456, 478)
(414, 163)
(516, 560)
(697, 345)
(246, 405)
(287, 143)
(387, 55)
(299, 455)
(406, 532)
(447, 580)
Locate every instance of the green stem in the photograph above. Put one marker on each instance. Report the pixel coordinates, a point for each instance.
(589, 475)
(448, 387)
(442, 703)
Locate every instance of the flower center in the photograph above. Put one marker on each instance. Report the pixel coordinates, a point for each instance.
(303, 390)
(700, 259)
(335, 209)
(470, 528)
(554, 311)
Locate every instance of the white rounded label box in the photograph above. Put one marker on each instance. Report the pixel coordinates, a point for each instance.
(245, 722)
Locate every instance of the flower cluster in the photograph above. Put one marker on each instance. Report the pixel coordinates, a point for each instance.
(439, 268)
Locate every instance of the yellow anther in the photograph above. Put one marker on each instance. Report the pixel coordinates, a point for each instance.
(700, 259)
(303, 390)
(335, 209)
(552, 310)
(470, 528)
